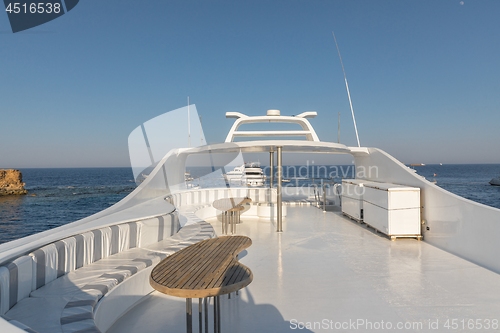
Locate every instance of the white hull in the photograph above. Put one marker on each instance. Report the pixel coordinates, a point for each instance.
(322, 266)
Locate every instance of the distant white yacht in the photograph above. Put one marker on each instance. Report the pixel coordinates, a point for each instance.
(250, 174)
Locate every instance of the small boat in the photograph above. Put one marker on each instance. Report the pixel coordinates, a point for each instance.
(188, 177)
(495, 181)
(189, 181)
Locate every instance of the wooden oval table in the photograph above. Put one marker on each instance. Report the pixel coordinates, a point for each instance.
(209, 268)
(231, 210)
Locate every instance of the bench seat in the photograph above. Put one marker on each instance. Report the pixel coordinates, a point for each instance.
(64, 303)
(68, 304)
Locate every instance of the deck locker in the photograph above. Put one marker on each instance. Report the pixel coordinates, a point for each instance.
(392, 209)
(352, 198)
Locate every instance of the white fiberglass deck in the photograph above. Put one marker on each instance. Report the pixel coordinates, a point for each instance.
(329, 273)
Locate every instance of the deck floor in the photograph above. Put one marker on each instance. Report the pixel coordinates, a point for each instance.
(327, 273)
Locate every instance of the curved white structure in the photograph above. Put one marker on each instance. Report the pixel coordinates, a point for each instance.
(91, 275)
(273, 116)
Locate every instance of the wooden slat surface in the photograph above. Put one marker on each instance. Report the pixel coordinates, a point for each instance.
(207, 268)
(229, 204)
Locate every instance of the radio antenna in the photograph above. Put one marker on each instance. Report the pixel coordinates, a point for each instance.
(189, 126)
(347, 88)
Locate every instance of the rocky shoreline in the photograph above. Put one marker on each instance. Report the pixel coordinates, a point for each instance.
(11, 182)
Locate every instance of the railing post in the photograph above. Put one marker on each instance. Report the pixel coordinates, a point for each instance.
(324, 197)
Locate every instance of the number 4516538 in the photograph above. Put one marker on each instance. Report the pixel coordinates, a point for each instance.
(33, 8)
(471, 324)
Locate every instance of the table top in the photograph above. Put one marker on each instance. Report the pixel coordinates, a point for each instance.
(207, 268)
(230, 204)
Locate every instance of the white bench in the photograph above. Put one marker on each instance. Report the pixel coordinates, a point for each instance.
(83, 283)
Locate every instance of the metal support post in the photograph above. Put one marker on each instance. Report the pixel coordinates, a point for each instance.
(206, 314)
(215, 314)
(189, 314)
(271, 166)
(226, 222)
(200, 315)
(233, 225)
(279, 188)
(218, 314)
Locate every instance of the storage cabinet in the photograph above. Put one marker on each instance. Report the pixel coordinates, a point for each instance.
(352, 198)
(392, 209)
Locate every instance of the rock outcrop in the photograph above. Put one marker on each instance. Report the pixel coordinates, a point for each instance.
(11, 182)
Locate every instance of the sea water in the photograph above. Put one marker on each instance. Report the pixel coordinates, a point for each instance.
(60, 196)
(470, 181)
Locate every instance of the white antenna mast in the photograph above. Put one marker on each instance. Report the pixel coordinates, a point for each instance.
(189, 127)
(338, 130)
(347, 88)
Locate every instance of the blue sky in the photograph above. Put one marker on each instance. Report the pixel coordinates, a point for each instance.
(424, 75)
